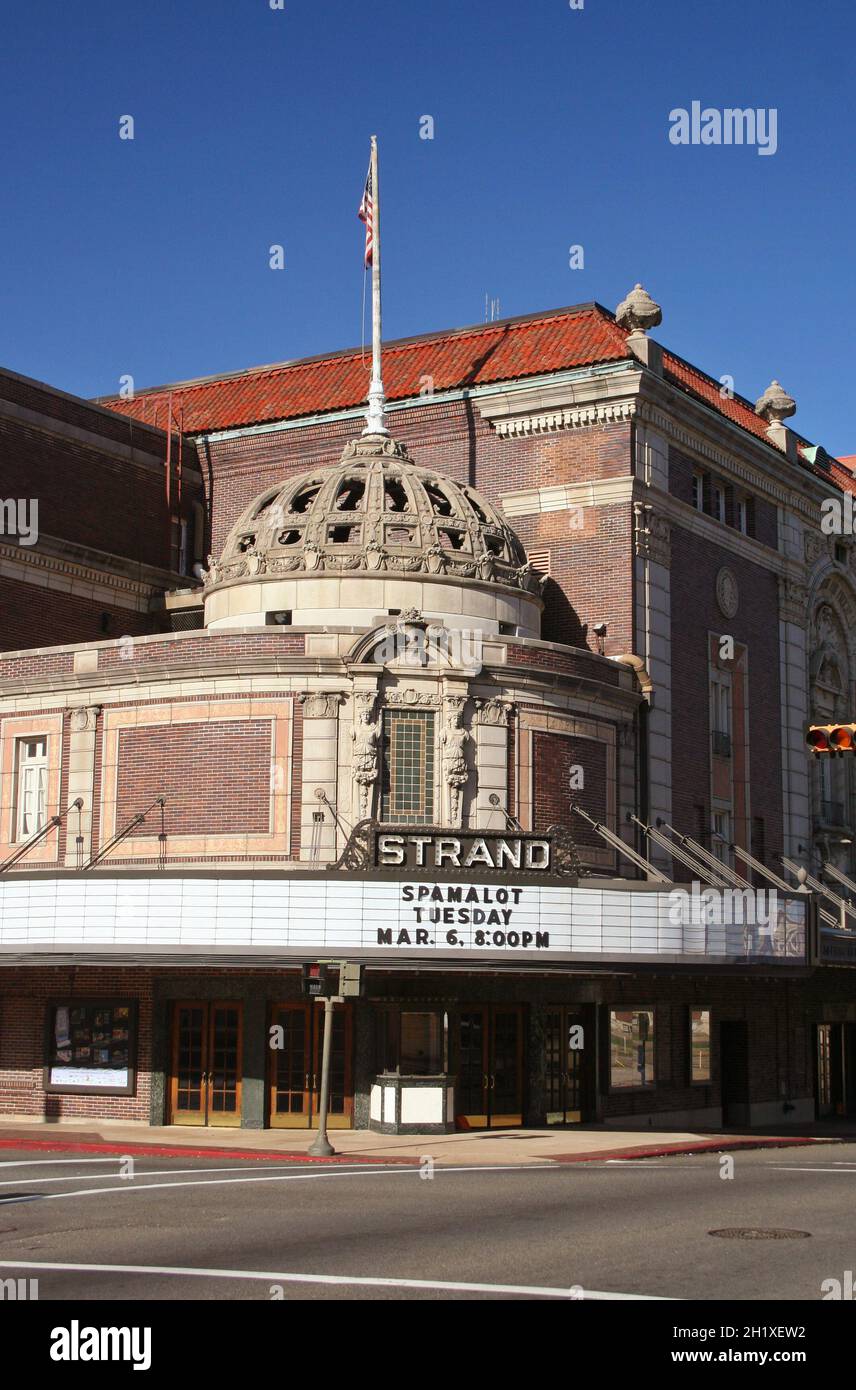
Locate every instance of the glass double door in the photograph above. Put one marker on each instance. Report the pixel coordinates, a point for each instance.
(205, 1081)
(568, 1057)
(294, 1085)
(489, 1066)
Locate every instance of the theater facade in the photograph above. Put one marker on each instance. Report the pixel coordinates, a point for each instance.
(382, 726)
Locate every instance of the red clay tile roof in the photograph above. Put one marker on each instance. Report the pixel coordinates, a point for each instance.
(503, 351)
(513, 349)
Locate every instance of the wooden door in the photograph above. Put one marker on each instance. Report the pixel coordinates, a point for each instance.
(205, 1080)
(489, 1066)
(295, 1067)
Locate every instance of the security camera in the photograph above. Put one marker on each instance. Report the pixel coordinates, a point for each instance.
(600, 629)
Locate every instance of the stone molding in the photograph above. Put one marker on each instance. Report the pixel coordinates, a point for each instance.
(84, 719)
(793, 600)
(320, 704)
(492, 711)
(653, 534)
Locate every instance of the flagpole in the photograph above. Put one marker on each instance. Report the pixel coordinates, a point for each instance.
(375, 423)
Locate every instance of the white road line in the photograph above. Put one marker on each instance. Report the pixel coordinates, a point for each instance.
(162, 1173)
(781, 1168)
(302, 1176)
(346, 1280)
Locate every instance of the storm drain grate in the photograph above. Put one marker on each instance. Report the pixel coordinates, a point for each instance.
(758, 1233)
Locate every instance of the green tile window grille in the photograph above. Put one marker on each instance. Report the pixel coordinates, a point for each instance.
(408, 767)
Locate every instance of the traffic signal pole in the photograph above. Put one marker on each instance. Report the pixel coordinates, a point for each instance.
(322, 1148)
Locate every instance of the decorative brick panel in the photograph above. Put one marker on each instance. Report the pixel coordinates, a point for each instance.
(215, 777)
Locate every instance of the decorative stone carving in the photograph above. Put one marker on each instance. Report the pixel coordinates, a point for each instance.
(638, 311)
(653, 535)
(793, 600)
(727, 592)
(320, 704)
(814, 545)
(492, 711)
(409, 696)
(212, 574)
(84, 720)
(454, 739)
(366, 738)
(775, 404)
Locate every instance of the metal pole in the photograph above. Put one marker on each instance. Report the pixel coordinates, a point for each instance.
(375, 422)
(322, 1146)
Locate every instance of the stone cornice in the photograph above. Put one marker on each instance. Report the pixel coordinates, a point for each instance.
(728, 448)
(41, 568)
(566, 418)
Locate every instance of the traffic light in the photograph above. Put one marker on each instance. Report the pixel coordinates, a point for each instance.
(315, 982)
(831, 738)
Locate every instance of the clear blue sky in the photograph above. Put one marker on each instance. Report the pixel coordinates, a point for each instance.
(150, 256)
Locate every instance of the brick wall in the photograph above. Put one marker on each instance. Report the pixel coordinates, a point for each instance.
(32, 616)
(24, 997)
(695, 613)
(125, 512)
(216, 777)
(553, 756)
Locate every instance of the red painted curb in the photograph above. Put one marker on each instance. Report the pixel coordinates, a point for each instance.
(177, 1151)
(703, 1146)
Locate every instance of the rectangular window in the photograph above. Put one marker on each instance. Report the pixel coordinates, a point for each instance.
(700, 1047)
(719, 503)
(421, 1044)
(178, 545)
(743, 515)
(31, 787)
(411, 1042)
(631, 1049)
(698, 491)
(721, 838)
(408, 767)
(720, 714)
(91, 1046)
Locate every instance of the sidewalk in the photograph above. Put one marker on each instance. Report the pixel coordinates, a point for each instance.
(577, 1145)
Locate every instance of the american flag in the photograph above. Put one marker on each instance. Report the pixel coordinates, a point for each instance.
(366, 214)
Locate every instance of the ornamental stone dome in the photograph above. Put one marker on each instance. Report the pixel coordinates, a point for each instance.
(371, 536)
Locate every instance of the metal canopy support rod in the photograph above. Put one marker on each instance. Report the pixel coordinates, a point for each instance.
(53, 823)
(618, 844)
(780, 883)
(701, 870)
(818, 887)
(125, 831)
(693, 846)
(839, 877)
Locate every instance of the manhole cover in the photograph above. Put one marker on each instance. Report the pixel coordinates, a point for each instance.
(758, 1233)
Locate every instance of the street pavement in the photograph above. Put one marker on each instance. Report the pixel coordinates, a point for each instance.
(98, 1227)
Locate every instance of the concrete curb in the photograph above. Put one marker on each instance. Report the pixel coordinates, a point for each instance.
(703, 1146)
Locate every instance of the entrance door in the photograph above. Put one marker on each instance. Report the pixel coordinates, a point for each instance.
(294, 1082)
(734, 1072)
(566, 1064)
(489, 1047)
(205, 1084)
